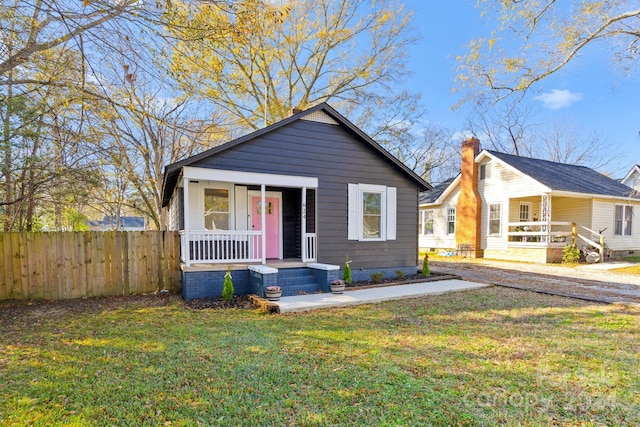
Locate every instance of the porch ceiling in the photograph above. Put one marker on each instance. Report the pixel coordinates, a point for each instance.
(249, 178)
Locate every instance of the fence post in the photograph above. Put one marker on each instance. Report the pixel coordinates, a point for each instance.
(601, 247)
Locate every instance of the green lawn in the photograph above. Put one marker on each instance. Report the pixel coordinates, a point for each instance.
(489, 357)
(635, 270)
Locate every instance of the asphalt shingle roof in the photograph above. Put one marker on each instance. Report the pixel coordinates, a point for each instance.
(566, 177)
(433, 194)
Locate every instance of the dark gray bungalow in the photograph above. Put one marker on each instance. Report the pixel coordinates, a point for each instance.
(298, 195)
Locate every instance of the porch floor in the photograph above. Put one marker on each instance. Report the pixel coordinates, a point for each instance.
(275, 263)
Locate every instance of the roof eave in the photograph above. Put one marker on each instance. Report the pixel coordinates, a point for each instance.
(592, 196)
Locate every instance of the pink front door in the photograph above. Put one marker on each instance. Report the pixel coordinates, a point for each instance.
(272, 216)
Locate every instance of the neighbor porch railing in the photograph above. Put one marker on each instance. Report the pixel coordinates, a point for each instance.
(556, 234)
(540, 234)
(220, 246)
(589, 244)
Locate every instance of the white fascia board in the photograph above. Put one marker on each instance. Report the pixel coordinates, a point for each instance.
(452, 186)
(256, 178)
(635, 169)
(449, 190)
(592, 196)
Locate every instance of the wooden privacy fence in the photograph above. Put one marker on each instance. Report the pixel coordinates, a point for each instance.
(63, 265)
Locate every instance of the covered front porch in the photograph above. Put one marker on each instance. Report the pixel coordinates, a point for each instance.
(232, 217)
(540, 227)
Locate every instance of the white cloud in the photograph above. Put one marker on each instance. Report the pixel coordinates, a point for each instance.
(558, 99)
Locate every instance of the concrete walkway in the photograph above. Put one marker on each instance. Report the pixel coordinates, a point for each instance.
(301, 303)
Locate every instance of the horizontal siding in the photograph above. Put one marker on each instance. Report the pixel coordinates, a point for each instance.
(604, 217)
(514, 208)
(572, 209)
(496, 188)
(336, 158)
(503, 180)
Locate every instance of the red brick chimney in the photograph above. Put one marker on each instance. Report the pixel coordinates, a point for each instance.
(469, 207)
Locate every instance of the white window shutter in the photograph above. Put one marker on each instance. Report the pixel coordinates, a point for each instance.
(353, 201)
(391, 213)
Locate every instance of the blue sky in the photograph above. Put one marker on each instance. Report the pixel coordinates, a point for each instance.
(590, 95)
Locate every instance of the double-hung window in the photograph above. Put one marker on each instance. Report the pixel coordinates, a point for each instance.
(426, 223)
(451, 220)
(372, 212)
(495, 210)
(623, 220)
(216, 209)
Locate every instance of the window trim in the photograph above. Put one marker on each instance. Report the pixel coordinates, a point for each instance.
(451, 219)
(424, 220)
(388, 212)
(372, 189)
(491, 219)
(624, 222)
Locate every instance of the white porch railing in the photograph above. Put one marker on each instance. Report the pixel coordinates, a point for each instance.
(309, 249)
(535, 233)
(220, 246)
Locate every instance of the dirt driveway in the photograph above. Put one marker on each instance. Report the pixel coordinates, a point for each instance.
(592, 282)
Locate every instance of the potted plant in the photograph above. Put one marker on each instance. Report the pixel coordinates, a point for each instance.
(337, 286)
(273, 293)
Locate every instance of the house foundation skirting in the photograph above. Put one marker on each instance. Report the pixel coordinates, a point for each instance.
(362, 274)
(538, 255)
(255, 279)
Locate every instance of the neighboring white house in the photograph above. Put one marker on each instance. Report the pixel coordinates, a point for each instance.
(526, 209)
(633, 178)
(436, 227)
(110, 223)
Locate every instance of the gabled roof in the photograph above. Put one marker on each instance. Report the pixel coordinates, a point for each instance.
(635, 169)
(563, 177)
(432, 196)
(172, 171)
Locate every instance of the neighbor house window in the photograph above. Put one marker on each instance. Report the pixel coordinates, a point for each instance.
(525, 212)
(494, 218)
(372, 212)
(216, 209)
(451, 220)
(483, 171)
(623, 220)
(426, 223)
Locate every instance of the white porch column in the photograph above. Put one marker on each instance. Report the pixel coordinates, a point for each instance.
(185, 207)
(303, 224)
(263, 222)
(546, 218)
